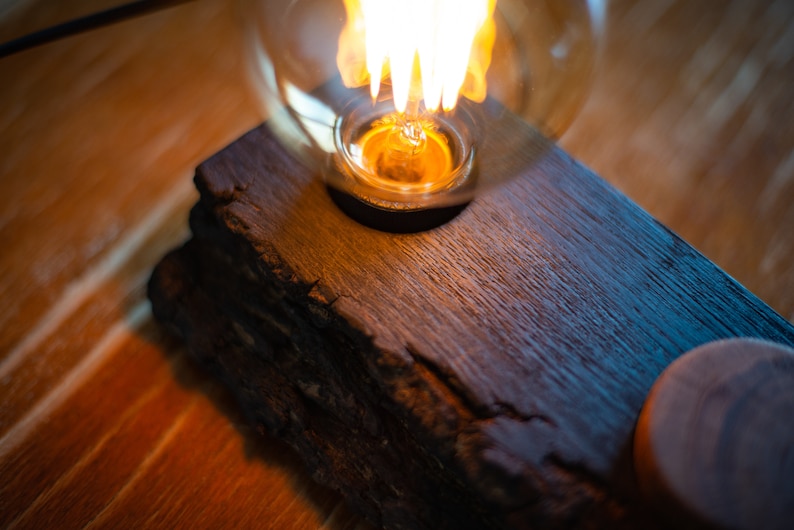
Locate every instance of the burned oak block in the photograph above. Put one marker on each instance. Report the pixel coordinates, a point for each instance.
(487, 373)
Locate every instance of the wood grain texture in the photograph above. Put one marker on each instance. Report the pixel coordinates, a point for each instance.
(713, 442)
(102, 421)
(685, 118)
(690, 115)
(514, 346)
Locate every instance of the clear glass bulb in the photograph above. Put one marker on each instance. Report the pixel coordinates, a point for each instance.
(411, 105)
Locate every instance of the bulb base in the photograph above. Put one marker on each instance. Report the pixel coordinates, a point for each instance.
(390, 220)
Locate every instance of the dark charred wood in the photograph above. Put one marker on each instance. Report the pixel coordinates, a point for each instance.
(487, 373)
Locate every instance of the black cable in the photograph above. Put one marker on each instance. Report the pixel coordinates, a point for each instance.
(88, 22)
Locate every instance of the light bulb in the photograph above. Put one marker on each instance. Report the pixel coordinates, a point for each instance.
(407, 106)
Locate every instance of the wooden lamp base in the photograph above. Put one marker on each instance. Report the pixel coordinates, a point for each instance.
(487, 373)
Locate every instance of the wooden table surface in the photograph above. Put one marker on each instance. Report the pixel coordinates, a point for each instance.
(104, 422)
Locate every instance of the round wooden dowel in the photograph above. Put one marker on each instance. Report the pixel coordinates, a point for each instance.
(714, 444)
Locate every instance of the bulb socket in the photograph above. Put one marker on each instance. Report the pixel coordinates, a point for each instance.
(393, 221)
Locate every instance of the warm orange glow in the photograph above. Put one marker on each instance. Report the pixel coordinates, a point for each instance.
(395, 162)
(433, 50)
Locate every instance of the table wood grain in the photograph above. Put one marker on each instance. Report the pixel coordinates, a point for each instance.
(104, 422)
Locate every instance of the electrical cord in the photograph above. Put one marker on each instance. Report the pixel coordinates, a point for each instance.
(86, 23)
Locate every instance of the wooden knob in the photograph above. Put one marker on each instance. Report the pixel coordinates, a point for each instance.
(715, 439)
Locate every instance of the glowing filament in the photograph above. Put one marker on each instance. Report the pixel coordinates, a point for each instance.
(433, 50)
